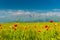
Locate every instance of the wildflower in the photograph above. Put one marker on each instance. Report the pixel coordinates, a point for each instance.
(10, 27)
(39, 30)
(0, 24)
(55, 24)
(15, 25)
(57, 29)
(51, 21)
(25, 27)
(34, 26)
(15, 28)
(46, 27)
(0, 28)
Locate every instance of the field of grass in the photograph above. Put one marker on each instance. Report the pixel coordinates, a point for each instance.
(30, 31)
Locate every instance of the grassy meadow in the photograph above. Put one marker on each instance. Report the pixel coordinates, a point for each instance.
(30, 31)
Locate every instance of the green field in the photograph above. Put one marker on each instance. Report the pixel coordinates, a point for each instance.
(30, 31)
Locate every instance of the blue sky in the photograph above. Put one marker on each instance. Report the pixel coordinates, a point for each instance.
(30, 4)
(29, 10)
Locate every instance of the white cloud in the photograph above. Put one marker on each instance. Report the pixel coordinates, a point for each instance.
(36, 13)
(56, 9)
(2, 16)
(28, 14)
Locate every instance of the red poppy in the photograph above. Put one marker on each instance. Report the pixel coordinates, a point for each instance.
(51, 21)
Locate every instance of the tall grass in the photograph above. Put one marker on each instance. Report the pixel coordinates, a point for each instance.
(30, 31)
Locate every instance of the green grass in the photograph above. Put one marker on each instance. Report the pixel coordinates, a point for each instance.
(27, 31)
